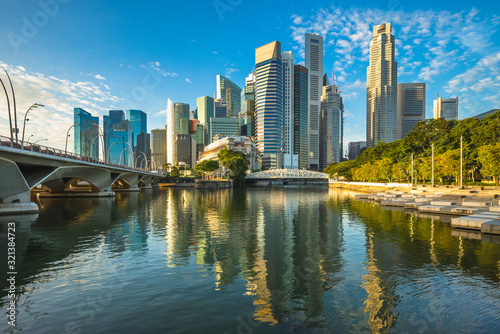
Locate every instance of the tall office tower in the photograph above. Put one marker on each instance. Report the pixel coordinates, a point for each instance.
(247, 110)
(411, 106)
(121, 144)
(355, 149)
(115, 116)
(231, 93)
(326, 81)
(331, 127)
(289, 160)
(158, 147)
(314, 64)
(225, 126)
(300, 108)
(184, 150)
(446, 108)
(86, 133)
(381, 88)
(269, 103)
(205, 107)
(177, 123)
(139, 120)
(221, 108)
(143, 149)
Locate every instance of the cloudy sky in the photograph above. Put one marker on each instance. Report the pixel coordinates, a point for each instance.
(128, 54)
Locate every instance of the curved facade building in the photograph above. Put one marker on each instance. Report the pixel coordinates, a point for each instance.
(231, 93)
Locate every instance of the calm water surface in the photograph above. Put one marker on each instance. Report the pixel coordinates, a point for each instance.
(246, 261)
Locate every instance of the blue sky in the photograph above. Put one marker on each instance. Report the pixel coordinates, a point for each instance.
(101, 55)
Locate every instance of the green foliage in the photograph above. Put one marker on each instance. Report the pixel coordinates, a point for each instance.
(392, 161)
(206, 166)
(235, 161)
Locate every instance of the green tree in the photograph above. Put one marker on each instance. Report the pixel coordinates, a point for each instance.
(235, 161)
(489, 156)
(207, 166)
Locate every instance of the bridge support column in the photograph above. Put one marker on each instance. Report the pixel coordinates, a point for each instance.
(14, 192)
(129, 179)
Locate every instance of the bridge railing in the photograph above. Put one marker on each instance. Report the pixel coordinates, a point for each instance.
(28, 146)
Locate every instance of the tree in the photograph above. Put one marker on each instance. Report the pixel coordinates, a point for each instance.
(235, 161)
(489, 156)
(207, 166)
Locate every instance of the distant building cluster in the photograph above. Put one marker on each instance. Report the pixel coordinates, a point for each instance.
(286, 115)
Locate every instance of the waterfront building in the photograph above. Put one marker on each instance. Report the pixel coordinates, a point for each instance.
(120, 150)
(314, 64)
(86, 133)
(300, 108)
(220, 108)
(237, 143)
(205, 108)
(355, 149)
(446, 108)
(269, 103)
(289, 159)
(141, 139)
(381, 87)
(143, 149)
(331, 127)
(247, 110)
(225, 126)
(184, 150)
(177, 123)
(158, 147)
(411, 106)
(115, 116)
(231, 93)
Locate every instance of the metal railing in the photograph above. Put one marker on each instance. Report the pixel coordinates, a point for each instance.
(28, 146)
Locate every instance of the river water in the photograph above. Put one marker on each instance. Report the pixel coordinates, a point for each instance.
(253, 260)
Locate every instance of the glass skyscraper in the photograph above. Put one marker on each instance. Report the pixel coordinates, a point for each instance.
(139, 120)
(247, 113)
(230, 92)
(269, 103)
(300, 99)
(177, 123)
(86, 133)
(115, 116)
(205, 107)
(120, 144)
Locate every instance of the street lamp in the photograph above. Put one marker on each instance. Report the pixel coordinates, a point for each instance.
(109, 149)
(126, 148)
(29, 138)
(92, 146)
(13, 102)
(33, 106)
(124, 142)
(39, 140)
(146, 158)
(8, 108)
(67, 135)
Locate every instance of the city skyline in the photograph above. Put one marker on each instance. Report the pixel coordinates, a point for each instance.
(428, 45)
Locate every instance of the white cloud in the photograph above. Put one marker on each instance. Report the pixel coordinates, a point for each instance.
(230, 71)
(188, 81)
(156, 67)
(100, 77)
(60, 97)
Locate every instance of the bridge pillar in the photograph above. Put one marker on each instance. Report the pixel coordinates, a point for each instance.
(129, 178)
(14, 192)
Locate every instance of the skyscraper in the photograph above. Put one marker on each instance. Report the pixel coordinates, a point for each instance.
(139, 121)
(300, 125)
(115, 116)
(221, 108)
(158, 147)
(205, 107)
(314, 64)
(177, 123)
(288, 158)
(247, 111)
(231, 93)
(381, 88)
(268, 97)
(411, 106)
(86, 133)
(446, 108)
(120, 144)
(331, 127)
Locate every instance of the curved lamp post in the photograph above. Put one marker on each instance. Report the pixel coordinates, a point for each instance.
(101, 133)
(67, 135)
(10, 116)
(13, 102)
(33, 106)
(92, 146)
(39, 140)
(109, 149)
(146, 159)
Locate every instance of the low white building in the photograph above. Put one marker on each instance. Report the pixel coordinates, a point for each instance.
(236, 143)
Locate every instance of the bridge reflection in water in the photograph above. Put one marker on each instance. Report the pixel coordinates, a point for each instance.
(265, 260)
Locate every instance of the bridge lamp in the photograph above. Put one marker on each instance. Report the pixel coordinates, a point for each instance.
(67, 136)
(39, 140)
(33, 106)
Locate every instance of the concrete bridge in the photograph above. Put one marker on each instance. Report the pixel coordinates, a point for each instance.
(286, 176)
(23, 168)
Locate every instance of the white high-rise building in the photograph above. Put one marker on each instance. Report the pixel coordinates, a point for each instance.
(288, 159)
(314, 64)
(446, 108)
(411, 106)
(381, 88)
